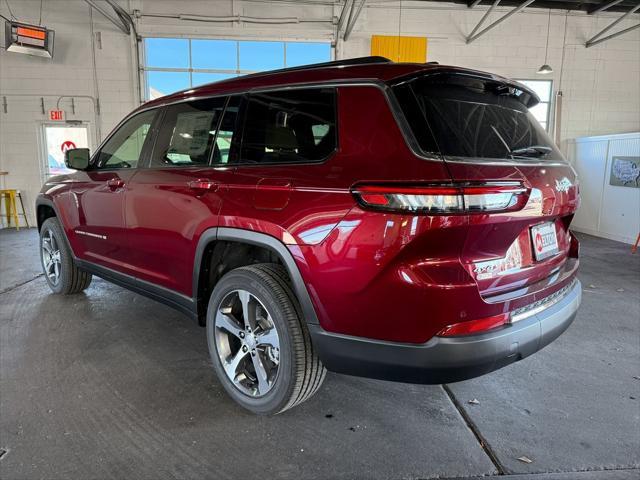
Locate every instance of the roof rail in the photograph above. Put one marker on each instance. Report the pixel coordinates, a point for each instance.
(352, 61)
(336, 63)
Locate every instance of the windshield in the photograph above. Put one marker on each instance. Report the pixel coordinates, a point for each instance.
(472, 121)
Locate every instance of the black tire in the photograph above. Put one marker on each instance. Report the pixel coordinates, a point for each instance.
(70, 278)
(300, 372)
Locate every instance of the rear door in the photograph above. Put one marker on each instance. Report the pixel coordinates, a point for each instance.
(99, 227)
(179, 194)
(279, 185)
(485, 133)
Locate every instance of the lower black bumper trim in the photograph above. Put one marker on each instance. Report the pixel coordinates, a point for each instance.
(446, 360)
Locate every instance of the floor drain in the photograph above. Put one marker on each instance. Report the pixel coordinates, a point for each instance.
(3, 451)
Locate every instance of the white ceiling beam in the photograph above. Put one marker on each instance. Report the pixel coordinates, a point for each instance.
(592, 40)
(473, 36)
(117, 21)
(604, 7)
(353, 19)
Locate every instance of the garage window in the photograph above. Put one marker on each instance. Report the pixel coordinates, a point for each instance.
(542, 111)
(173, 64)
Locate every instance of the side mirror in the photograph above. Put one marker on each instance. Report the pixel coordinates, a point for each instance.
(77, 158)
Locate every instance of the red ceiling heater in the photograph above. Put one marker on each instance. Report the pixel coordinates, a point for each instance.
(29, 39)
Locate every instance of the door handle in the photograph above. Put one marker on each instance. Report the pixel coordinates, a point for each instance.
(115, 183)
(202, 184)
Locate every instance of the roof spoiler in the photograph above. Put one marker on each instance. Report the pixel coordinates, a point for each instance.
(494, 83)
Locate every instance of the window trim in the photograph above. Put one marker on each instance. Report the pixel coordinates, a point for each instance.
(243, 118)
(210, 162)
(383, 87)
(149, 142)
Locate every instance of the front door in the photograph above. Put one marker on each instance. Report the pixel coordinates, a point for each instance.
(99, 194)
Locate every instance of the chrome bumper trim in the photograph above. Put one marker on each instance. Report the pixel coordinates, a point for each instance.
(536, 307)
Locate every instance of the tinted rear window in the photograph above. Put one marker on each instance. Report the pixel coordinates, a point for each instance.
(473, 121)
(292, 126)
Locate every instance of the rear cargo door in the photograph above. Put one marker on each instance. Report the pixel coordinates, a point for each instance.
(483, 129)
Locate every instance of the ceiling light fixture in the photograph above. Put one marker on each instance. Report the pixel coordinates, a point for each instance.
(545, 69)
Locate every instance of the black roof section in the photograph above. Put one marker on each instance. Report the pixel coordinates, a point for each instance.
(337, 63)
(581, 5)
(348, 62)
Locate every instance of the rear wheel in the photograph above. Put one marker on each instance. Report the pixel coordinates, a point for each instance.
(258, 341)
(60, 270)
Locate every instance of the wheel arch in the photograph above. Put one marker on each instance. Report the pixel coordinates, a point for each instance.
(212, 236)
(45, 208)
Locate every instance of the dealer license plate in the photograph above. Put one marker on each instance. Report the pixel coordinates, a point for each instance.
(545, 241)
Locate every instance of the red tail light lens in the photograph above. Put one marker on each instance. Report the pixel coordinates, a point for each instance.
(574, 246)
(443, 199)
(471, 327)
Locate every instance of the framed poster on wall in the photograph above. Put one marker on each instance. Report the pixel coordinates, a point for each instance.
(625, 172)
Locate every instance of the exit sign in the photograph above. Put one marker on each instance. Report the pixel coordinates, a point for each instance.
(56, 115)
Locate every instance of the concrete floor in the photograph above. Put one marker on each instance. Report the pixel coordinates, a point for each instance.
(108, 384)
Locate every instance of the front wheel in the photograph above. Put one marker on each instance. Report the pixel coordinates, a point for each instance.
(259, 344)
(60, 270)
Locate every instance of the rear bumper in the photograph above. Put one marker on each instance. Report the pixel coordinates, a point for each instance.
(445, 360)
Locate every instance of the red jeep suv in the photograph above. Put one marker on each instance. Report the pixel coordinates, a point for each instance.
(406, 222)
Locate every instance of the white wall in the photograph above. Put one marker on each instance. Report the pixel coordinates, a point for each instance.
(26, 81)
(607, 210)
(601, 85)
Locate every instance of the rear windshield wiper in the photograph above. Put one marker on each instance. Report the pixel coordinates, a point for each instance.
(531, 151)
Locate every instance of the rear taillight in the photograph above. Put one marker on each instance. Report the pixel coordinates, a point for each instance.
(444, 199)
(574, 246)
(471, 327)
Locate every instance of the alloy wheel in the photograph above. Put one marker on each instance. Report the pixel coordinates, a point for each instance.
(51, 257)
(247, 343)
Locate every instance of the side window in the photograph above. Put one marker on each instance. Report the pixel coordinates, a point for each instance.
(187, 133)
(414, 114)
(290, 126)
(123, 149)
(226, 148)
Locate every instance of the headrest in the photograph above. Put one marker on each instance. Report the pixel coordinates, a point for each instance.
(280, 138)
